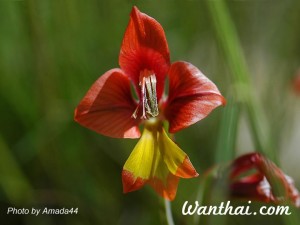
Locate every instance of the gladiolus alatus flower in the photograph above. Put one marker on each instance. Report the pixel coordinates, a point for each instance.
(266, 183)
(110, 109)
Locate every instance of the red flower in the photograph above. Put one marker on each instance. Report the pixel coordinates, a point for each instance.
(110, 109)
(266, 183)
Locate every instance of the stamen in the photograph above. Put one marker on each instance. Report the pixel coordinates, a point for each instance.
(144, 97)
(148, 96)
(134, 114)
(151, 98)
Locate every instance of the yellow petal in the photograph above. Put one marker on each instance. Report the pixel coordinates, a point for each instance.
(156, 160)
(177, 160)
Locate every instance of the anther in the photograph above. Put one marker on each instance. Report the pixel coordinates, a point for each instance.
(148, 96)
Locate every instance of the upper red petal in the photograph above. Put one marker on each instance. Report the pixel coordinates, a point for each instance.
(192, 96)
(144, 46)
(107, 107)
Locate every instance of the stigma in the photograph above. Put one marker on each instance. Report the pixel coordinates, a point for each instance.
(148, 101)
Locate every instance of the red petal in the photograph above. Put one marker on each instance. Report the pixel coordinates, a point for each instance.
(192, 96)
(245, 163)
(167, 189)
(107, 107)
(130, 183)
(252, 187)
(144, 46)
(262, 184)
(186, 169)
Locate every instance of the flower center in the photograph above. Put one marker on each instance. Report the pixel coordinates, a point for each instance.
(148, 95)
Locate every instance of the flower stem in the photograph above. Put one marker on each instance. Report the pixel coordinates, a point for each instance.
(169, 215)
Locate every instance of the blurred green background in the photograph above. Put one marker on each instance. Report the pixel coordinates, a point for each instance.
(51, 51)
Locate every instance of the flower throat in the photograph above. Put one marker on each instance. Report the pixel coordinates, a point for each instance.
(148, 95)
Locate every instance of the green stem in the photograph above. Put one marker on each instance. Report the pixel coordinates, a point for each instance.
(205, 194)
(169, 215)
(225, 150)
(244, 90)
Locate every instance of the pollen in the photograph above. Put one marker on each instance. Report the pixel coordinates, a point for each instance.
(148, 95)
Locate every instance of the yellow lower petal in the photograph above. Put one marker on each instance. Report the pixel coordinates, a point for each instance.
(156, 160)
(177, 160)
